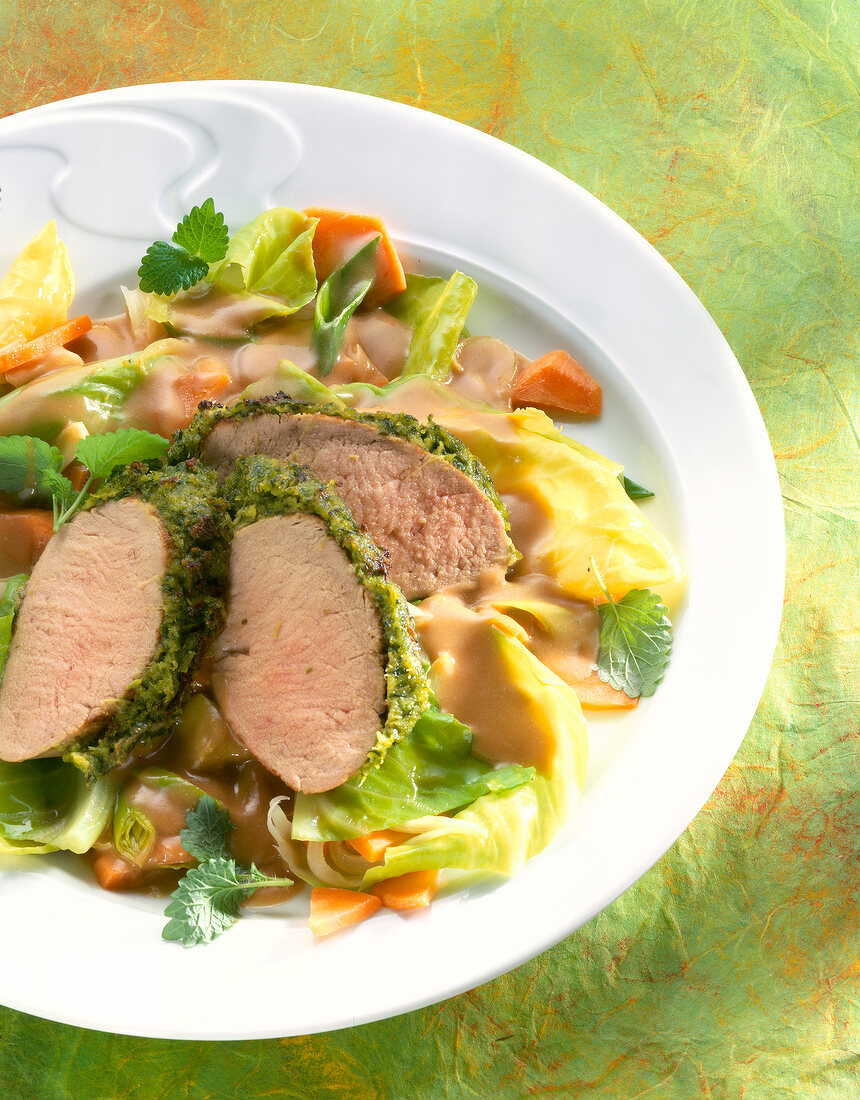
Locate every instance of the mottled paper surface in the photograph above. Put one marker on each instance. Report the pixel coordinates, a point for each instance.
(727, 133)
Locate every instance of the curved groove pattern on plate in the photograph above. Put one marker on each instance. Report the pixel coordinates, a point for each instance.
(157, 162)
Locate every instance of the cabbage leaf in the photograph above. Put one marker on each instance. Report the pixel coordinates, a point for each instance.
(91, 394)
(296, 384)
(45, 805)
(430, 771)
(273, 256)
(37, 291)
(501, 830)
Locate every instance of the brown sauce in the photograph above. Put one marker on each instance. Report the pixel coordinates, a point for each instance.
(459, 630)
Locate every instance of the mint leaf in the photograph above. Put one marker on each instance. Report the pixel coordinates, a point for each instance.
(206, 902)
(337, 300)
(165, 269)
(634, 490)
(103, 453)
(202, 238)
(205, 832)
(203, 233)
(29, 463)
(635, 642)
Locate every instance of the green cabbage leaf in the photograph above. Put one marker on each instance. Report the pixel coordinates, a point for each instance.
(432, 770)
(503, 829)
(273, 256)
(45, 806)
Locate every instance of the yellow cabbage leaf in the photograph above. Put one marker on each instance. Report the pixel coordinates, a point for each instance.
(587, 513)
(36, 293)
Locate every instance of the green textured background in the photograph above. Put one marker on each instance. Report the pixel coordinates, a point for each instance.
(728, 134)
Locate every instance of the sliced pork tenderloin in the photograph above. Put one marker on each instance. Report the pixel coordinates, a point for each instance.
(417, 491)
(112, 621)
(318, 669)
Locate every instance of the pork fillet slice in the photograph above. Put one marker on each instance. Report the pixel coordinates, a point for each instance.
(87, 628)
(418, 492)
(113, 619)
(318, 668)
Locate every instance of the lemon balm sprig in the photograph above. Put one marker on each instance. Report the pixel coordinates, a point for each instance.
(635, 640)
(201, 239)
(27, 463)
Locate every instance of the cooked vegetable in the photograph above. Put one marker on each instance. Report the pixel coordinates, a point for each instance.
(371, 846)
(200, 238)
(414, 890)
(557, 381)
(436, 335)
(339, 234)
(12, 361)
(271, 256)
(333, 909)
(46, 805)
(24, 534)
(292, 382)
(634, 490)
(94, 395)
(135, 836)
(337, 299)
(500, 831)
(36, 292)
(430, 771)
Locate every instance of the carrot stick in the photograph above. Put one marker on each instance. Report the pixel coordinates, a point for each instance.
(559, 382)
(372, 846)
(23, 536)
(339, 234)
(24, 353)
(333, 909)
(596, 694)
(411, 891)
(115, 873)
(204, 382)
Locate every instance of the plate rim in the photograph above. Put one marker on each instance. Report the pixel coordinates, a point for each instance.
(754, 422)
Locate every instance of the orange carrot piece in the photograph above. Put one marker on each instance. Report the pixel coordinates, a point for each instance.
(339, 234)
(372, 846)
(333, 909)
(559, 382)
(596, 694)
(57, 337)
(23, 536)
(204, 382)
(411, 891)
(115, 873)
(167, 852)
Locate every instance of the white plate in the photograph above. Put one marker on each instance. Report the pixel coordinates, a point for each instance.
(556, 268)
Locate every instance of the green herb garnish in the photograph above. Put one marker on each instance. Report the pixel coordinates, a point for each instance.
(206, 901)
(634, 490)
(201, 239)
(635, 640)
(27, 463)
(337, 299)
(205, 832)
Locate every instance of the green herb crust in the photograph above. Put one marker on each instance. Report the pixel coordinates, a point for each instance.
(258, 487)
(431, 437)
(184, 498)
